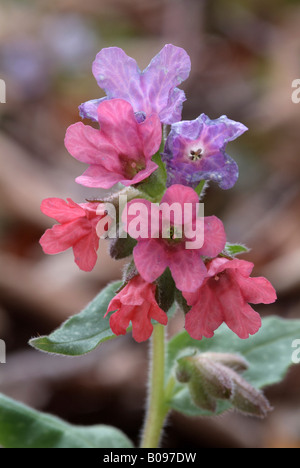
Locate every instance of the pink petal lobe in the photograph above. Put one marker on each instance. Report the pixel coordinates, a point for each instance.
(205, 316)
(60, 210)
(188, 269)
(85, 252)
(214, 237)
(180, 194)
(151, 134)
(150, 259)
(237, 314)
(97, 176)
(120, 128)
(257, 290)
(243, 321)
(62, 237)
(88, 145)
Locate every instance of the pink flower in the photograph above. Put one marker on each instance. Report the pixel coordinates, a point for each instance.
(136, 303)
(120, 151)
(155, 252)
(77, 229)
(224, 297)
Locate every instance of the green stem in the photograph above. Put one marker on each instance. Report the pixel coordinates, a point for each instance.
(157, 408)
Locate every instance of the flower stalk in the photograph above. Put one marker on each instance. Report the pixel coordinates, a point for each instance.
(157, 408)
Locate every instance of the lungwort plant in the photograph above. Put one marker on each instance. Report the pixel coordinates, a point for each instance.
(159, 167)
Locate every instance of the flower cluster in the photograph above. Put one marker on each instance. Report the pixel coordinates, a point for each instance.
(165, 178)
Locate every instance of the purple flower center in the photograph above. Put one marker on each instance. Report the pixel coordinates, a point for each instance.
(196, 155)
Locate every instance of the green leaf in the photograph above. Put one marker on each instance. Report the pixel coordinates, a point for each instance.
(23, 427)
(235, 249)
(269, 354)
(83, 332)
(155, 185)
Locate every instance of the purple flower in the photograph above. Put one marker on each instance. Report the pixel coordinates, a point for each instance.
(195, 151)
(151, 91)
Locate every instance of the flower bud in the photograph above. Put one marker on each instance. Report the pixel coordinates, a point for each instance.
(249, 400)
(234, 361)
(213, 376)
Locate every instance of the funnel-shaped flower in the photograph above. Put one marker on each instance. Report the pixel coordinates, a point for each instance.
(153, 90)
(120, 151)
(164, 234)
(136, 303)
(195, 151)
(77, 229)
(224, 297)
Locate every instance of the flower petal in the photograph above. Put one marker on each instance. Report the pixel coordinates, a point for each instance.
(217, 265)
(205, 316)
(168, 69)
(150, 134)
(85, 252)
(98, 176)
(214, 237)
(257, 290)
(237, 314)
(187, 268)
(150, 259)
(62, 237)
(89, 109)
(217, 133)
(119, 76)
(88, 145)
(119, 128)
(60, 210)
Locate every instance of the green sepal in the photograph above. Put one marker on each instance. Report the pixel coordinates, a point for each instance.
(121, 247)
(155, 186)
(235, 249)
(165, 291)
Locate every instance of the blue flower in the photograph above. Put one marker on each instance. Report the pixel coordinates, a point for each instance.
(151, 91)
(195, 151)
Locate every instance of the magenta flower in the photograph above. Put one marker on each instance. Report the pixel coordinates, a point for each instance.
(136, 303)
(195, 151)
(77, 229)
(151, 91)
(120, 151)
(224, 297)
(156, 250)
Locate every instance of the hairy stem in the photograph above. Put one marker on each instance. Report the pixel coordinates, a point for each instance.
(157, 407)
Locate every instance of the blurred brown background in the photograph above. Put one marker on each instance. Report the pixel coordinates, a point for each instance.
(245, 56)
